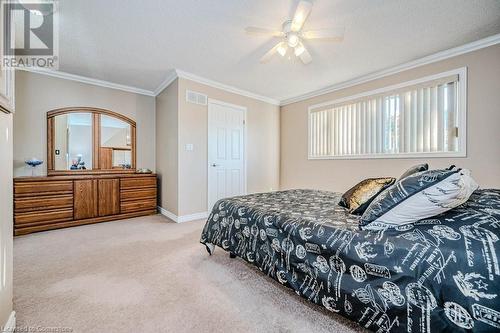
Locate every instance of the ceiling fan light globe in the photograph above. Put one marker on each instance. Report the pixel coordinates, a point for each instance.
(293, 40)
(299, 49)
(282, 49)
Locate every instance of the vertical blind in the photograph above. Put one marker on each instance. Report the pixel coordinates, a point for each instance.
(416, 119)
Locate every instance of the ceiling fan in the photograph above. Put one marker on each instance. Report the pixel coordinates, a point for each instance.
(292, 35)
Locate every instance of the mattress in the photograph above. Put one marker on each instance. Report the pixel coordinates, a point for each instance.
(439, 274)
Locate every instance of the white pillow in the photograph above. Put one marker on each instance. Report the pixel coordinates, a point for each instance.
(433, 200)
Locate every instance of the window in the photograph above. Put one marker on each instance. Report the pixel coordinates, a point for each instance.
(421, 118)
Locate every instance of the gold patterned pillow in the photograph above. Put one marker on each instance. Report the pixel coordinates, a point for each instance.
(358, 197)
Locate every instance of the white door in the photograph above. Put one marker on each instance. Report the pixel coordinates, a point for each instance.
(226, 151)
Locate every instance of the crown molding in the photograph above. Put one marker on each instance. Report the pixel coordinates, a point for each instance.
(442, 55)
(176, 73)
(221, 86)
(87, 80)
(171, 77)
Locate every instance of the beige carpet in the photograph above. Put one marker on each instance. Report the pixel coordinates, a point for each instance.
(150, 275)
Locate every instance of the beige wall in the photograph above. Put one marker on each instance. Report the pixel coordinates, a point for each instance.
(262, 128)
(167, 142)
(6, 203)
(262, 146)
(483, 134)
(36, 94)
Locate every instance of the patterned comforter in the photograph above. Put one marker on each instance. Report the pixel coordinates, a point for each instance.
(440, 274)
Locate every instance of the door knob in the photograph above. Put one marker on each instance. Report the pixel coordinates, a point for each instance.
(215, 165)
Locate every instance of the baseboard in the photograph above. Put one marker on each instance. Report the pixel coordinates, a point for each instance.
(10, 325)
(167, 214)
(192, 217)
(182, 218)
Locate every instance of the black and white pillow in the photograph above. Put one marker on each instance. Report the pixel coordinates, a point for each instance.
(418, 196)
(414, 169)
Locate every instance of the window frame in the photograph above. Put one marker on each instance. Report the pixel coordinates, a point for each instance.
(461, 101)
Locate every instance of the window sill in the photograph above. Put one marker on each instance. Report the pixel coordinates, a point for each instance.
(391, 156)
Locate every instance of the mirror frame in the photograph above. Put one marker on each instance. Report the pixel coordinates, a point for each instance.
(96, 140)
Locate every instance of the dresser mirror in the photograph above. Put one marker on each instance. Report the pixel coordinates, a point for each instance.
(73, 141)
(116, 143)
(90, 141)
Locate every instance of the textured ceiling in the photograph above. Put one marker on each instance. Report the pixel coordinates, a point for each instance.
(137, 43)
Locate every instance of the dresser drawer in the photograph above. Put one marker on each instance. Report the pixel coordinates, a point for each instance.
(138, 205)
(43, 217)
(23, 189)
(45, 203)
(139, 182)
(138, 194)
(37, 203)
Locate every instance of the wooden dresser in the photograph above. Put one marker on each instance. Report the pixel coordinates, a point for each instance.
(44, 203)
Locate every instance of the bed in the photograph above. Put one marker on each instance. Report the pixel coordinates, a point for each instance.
(440, 274)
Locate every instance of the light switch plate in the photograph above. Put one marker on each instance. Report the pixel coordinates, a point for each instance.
(189, 147)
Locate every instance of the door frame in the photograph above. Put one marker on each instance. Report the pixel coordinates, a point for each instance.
(245, 145)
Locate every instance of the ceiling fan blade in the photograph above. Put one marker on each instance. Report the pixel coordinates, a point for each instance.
(301, 13)
(336, 35)
(263, 31)
(266, 57)
(305, 56)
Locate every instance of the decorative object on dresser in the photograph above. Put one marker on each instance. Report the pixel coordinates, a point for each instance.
(144, 170)
(33, 163)
(53, 202)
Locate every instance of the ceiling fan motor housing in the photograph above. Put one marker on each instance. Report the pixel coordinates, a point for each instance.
(287, 26)
(292, 37)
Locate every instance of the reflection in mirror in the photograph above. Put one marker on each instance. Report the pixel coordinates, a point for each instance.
(116, 143)
(73, 141)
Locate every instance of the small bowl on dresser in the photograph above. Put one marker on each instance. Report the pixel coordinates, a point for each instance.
(143, 170)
